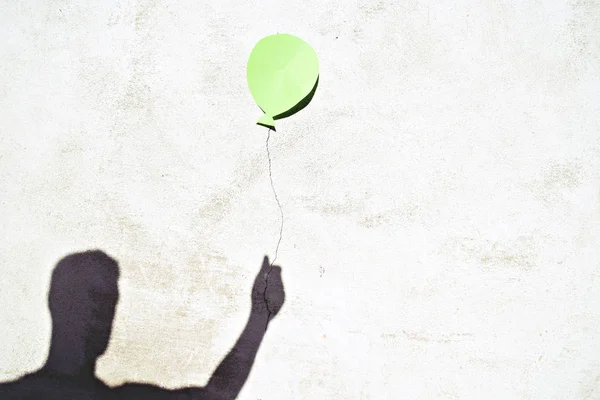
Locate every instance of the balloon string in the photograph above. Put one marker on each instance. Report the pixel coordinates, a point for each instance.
(276, 198)
(280, 230)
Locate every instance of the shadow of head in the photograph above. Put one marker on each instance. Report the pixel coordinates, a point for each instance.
(82, 299)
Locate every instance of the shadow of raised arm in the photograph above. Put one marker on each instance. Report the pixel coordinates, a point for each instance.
(229, 377)
(268, 297)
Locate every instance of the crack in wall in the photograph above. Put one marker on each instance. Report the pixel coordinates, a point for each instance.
(280, 229)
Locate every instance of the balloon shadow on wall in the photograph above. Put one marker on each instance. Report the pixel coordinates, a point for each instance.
(82, 300)
(298, 107)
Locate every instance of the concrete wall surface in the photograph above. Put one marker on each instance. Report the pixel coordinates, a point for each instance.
(440, 194)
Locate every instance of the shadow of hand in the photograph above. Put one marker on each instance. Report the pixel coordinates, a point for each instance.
(268, 294)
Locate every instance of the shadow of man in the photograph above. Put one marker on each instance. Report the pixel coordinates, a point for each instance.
(82, 300)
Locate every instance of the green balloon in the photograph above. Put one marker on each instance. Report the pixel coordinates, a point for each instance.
(283, 72)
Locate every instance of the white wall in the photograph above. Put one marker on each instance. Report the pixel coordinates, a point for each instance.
(446, 177)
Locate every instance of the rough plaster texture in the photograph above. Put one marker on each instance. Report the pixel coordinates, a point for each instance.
(441, 193)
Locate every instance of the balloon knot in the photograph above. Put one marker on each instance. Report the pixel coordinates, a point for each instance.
(266, 120)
